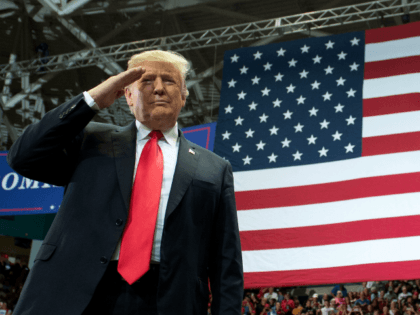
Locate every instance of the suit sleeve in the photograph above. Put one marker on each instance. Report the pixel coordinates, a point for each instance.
(47, 150)
(225, 268)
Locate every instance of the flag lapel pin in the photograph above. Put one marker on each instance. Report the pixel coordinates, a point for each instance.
(191, 151)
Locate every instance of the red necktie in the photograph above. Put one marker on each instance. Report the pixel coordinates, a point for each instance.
(137, 240)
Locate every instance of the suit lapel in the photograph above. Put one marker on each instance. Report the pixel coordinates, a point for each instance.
(124, 145)
(184, 173)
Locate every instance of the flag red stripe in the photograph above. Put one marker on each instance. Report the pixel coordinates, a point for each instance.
(392, 33)
(402, 142)
(328, 234)
(387, 105)
(391, 67)
(350, 274)
(329, 192)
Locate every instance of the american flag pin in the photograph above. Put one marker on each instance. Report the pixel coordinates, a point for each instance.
(191, 151)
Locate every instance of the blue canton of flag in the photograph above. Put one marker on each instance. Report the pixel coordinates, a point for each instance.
(292, 103)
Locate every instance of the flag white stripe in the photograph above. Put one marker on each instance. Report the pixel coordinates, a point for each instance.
(391, 124)
(292, 176)
(395, 85)
(337, 255)
(330, 213)
(392, 49)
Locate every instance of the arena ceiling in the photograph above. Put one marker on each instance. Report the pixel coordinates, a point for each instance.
(34, 29)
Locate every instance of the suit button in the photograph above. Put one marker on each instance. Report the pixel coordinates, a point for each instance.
(103, 260)
(118, 222)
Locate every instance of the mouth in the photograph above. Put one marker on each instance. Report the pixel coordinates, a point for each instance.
(160, 102)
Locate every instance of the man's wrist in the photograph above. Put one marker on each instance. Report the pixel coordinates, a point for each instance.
(90, 101)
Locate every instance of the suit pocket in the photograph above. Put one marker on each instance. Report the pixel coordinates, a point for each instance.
(45, 252)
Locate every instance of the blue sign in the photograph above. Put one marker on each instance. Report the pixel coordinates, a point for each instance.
(20, 195)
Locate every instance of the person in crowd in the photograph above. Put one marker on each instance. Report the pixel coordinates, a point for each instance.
(298, 308)
(339, 299)
(271, 294)
(327, 309)
(325, 298)
(259, 309)
(352, 297)
(247, 306)
(339, 287)
(404, 294)
(390, 295)
(287, 304)
(369, 310)
(342, 309)
(373, 293)
(315, 302)
(366, 293)
(280, 296)
(393, 310)
(363, 302)
(385, 310)
(278, 308)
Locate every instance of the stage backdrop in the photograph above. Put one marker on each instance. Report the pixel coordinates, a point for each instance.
(324, 138)
(21, 196)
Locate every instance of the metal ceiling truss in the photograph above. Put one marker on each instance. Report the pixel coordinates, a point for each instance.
(298, 23)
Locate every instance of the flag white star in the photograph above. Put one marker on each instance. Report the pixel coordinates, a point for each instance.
(279, 76)
(317, 59)
(351, 92)
(277, 103)
(327, 96)
(323, 152)
(255, 80)
(329, 70)
(265, 91)
(288, 115)
(236, 147)
(292, 63)
(350, 120)
(290, 88)
(232, 83)
(316, 85)
(247, 160)
(340, 81)
(260, 146)
(273, 131)
(339, 108)
(238, 121)
(301, 100)
(263, 118)
(241, 95)
(272, 158)
(234, 58)
(313, 111)
(305, 49)
(354, 66)
(337, 136)
(253, 106)
(228, 109)
(349, 147)
(342, 55)
(257, 55)
(311, 139)
(243, 70)
(304, 74)
(355, 41)
(226, 135)
(297, 155)
(267, 66)
(329, 45)
(281, 52)
(324, 124)
(250, 133)
(298, 127)
(286, 142)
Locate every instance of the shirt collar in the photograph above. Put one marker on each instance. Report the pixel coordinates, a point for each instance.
(170, 135)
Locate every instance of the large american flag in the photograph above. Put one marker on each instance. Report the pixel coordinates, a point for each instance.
(324, 138)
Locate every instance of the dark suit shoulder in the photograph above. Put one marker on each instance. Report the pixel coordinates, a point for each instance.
(207, 153)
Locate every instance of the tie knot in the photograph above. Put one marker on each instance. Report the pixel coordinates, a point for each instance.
(155, 134)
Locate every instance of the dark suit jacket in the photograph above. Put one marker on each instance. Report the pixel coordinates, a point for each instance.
(95, 163)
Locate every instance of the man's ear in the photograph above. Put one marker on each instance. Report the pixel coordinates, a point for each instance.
(128, 95)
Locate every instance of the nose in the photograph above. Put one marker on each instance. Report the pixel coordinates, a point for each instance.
(159, 89)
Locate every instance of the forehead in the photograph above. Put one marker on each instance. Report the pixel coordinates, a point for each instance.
(160, 68)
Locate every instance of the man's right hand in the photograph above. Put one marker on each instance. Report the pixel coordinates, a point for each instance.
(110, 90)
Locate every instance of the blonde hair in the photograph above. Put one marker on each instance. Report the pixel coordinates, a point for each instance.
(172, 57)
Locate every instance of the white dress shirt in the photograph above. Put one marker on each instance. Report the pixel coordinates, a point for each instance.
(169, 145)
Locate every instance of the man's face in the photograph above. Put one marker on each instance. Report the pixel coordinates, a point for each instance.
(156, 98)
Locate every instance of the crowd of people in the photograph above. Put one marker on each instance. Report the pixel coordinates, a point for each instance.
(375, 298)
(12, 277)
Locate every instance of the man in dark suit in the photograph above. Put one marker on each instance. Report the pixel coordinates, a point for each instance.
(91, 261)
